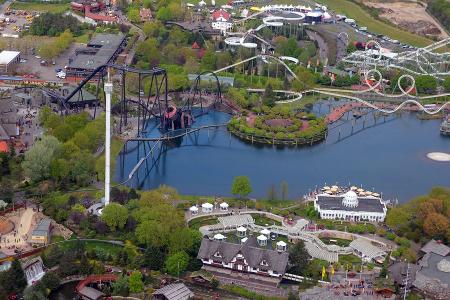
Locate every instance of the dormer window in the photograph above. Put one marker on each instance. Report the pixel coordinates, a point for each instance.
(217, 254)
(264, 263)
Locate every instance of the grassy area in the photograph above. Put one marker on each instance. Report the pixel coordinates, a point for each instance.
(202, 221)
(246, 293)
(91, 245)
(37, 6)
(263, 220)
(339, 242)
(350, 260)
(306, 100)
(354, 11)
(84, 38)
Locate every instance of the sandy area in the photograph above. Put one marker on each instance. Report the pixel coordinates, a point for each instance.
(410, 16)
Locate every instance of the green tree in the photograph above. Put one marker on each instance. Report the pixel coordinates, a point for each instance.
(177, 263)
(16, 280)
(120, 286)
(164, 14)
(85, 267)
(154, 258)
(115, 216)
(269, 96)
(298, 258)
(241, 186)
(426, 84)
(51, 280)
(135, 283)
(446, 84)
(37, 161)
(133, 15)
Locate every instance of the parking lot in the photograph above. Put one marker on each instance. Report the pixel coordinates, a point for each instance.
(33, 66)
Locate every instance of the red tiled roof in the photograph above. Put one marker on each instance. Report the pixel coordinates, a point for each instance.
(3, 147)
(195, 46)
(220, 14)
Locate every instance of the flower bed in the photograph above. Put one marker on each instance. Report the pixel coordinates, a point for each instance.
(280, 127)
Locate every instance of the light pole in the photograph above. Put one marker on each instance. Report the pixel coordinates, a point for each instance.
(108, 92)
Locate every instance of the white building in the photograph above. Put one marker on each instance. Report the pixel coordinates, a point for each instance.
(350, 207)
(221, 20)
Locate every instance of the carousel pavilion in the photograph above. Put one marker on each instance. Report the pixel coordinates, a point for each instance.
(350, 206)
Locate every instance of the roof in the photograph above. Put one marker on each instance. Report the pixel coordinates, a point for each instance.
(365, 204)
(175, 291)
(107, 45)
(430, 278)
(3, 148)
(7, 56)
(43, 228)
(366, 248)
(277, 261)
(91, 293)
(436, 247)
(195, 46)
(221, 14)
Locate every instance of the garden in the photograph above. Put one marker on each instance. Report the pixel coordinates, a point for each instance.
(279, 126)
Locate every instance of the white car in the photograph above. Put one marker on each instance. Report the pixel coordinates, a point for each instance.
(38, 57)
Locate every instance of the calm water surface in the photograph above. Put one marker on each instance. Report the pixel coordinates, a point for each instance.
(388, 155)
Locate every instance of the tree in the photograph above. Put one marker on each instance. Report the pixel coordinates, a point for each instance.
(269, 96)
(446, 84)
(115, 216)
(177, 263)
(436, 225)
(154, 258)
(426, 84)
(133, 15)
(51, 280)
(38, 159)
(85, 267)
(292, 296)
(241, 186)
(215, 283)
(298, 258)
(135, 283)
(15, 277)
(120, 286)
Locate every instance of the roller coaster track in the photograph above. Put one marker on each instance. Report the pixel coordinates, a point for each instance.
(167, 137)
(255, 57)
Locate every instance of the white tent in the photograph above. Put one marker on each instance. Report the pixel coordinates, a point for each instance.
(219, 237)
(265, 231)
(224, 206)
(207, 207)
(262, 240)
(193, 210)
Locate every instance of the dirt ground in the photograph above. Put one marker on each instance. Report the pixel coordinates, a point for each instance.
(410, 16)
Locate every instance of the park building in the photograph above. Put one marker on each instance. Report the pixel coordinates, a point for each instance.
(223, 258)
(221, 20)
(41, 234)
(350, 207)
(9, 61)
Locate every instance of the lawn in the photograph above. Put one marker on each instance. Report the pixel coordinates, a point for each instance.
(263, 220)
(84, 38)
(354, 11)
(35, 6)
(350, 260)
(202, 221)
(339, 242)
(91, 245)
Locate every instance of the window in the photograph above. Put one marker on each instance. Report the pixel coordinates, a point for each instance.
(217, 254)
(264, 263)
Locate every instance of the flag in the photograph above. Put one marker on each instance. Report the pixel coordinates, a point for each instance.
(323, 272)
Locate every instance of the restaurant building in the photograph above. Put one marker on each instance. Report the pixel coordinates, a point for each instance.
(350, 207)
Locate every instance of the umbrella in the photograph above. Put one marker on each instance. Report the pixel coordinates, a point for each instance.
(360, 190)
(376, 195)
(326, 187)
(368, 193)
(328, 192)
(353, 188)
(362, 194)
(334, 187)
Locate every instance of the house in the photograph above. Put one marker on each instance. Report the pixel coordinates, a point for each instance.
(433, 277)
(41, 234)
(221, 20)
(9, 121)
(225, 260)
(145, 14)
(175, 291)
